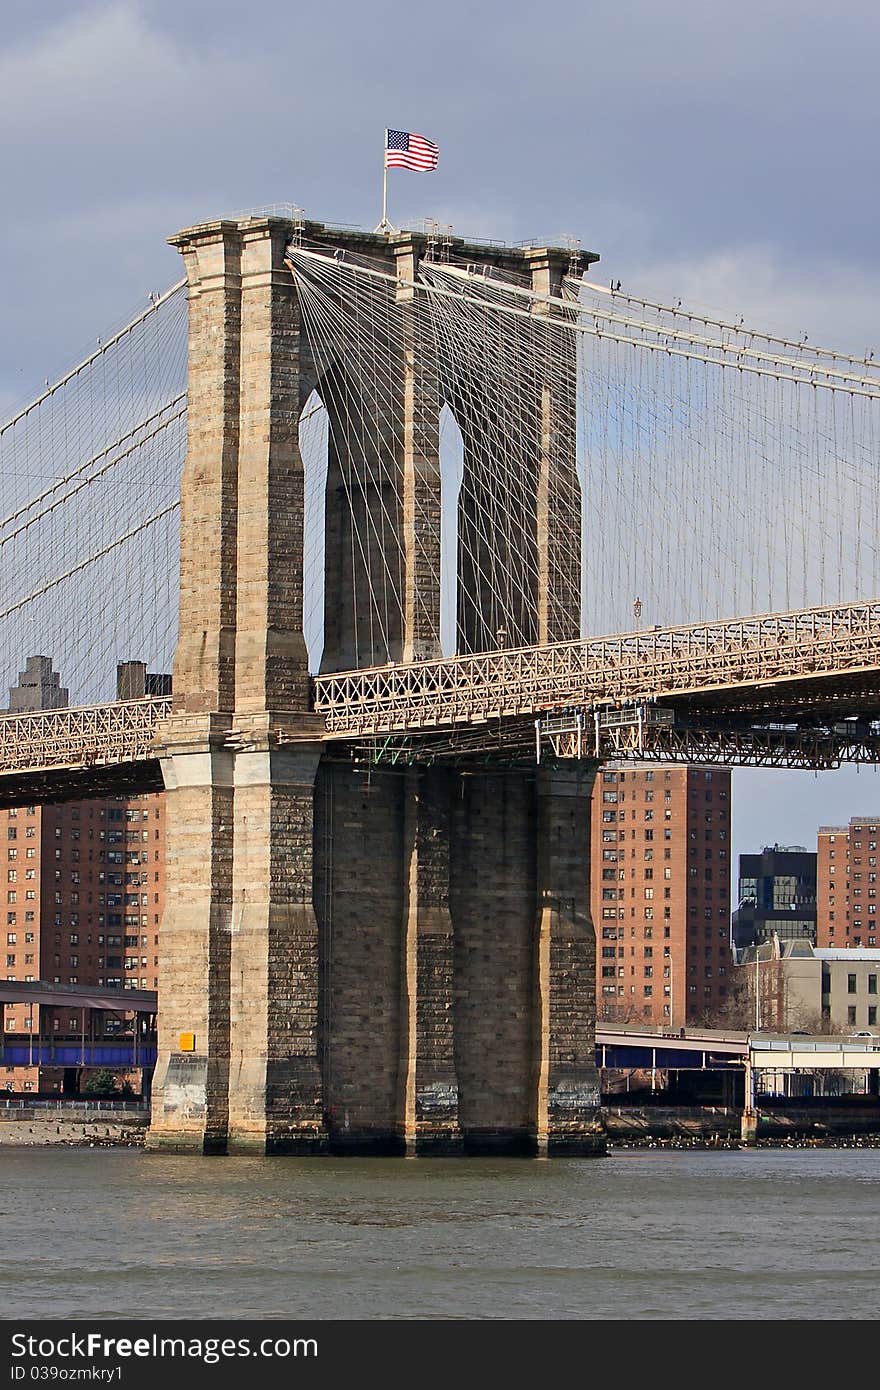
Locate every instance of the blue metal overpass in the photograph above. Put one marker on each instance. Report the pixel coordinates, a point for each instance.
(620, 1046)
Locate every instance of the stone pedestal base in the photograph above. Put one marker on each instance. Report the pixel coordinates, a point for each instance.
(403, 964)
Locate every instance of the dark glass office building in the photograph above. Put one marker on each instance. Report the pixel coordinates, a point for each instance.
(777, 893)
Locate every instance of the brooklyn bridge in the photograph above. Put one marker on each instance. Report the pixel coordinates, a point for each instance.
(424, 530)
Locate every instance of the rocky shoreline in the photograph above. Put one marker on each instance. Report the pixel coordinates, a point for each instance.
(104, 1135)
(681, 1141)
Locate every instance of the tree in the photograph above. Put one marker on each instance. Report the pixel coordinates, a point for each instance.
(101, 1083)
(625, 1010)
(736, 1013)
(813, 1021)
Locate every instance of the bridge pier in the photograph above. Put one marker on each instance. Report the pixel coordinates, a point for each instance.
(493, 912)
(428, 1078)
(457, 956)
(375, 962)
(392, 960)
(238, 1047)
(275, 1085)
(567, 1089)
(358, 897)
(190, 1091)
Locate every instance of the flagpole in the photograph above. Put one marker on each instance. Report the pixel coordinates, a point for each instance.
(384, 223)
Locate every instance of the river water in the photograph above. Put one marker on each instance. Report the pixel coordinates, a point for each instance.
(645, 1234)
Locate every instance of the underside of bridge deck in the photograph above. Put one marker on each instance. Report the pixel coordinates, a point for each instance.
(56, 784)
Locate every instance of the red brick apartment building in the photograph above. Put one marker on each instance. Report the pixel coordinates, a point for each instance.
(660, 892)
(84, 886)
(846, 884)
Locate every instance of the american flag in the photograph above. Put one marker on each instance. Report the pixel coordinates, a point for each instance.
(406, 151)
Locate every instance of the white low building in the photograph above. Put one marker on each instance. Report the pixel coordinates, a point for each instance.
(800, 986)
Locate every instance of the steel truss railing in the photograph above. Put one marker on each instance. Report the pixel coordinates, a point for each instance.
(746, 655)
(84, 736)
(813, 749)
(657, 733)
(677, 661)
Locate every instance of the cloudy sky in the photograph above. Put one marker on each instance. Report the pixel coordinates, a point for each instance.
(723, 154)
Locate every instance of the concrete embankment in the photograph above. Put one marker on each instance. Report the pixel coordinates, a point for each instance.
(708, 1125)
(27, 1125)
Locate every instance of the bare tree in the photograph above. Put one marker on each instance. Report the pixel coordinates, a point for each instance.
(736, 1012)
(618, 1011)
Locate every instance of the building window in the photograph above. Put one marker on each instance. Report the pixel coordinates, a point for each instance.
(851, 987)
(851, 1014)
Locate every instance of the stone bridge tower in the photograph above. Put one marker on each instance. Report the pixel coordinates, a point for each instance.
(393, 960)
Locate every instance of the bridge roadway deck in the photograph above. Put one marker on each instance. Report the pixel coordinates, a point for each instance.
(706, 1048)
(102, 997)
(763, 662)
(798, 666)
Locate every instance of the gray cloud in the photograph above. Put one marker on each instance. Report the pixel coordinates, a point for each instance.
(654, 132)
